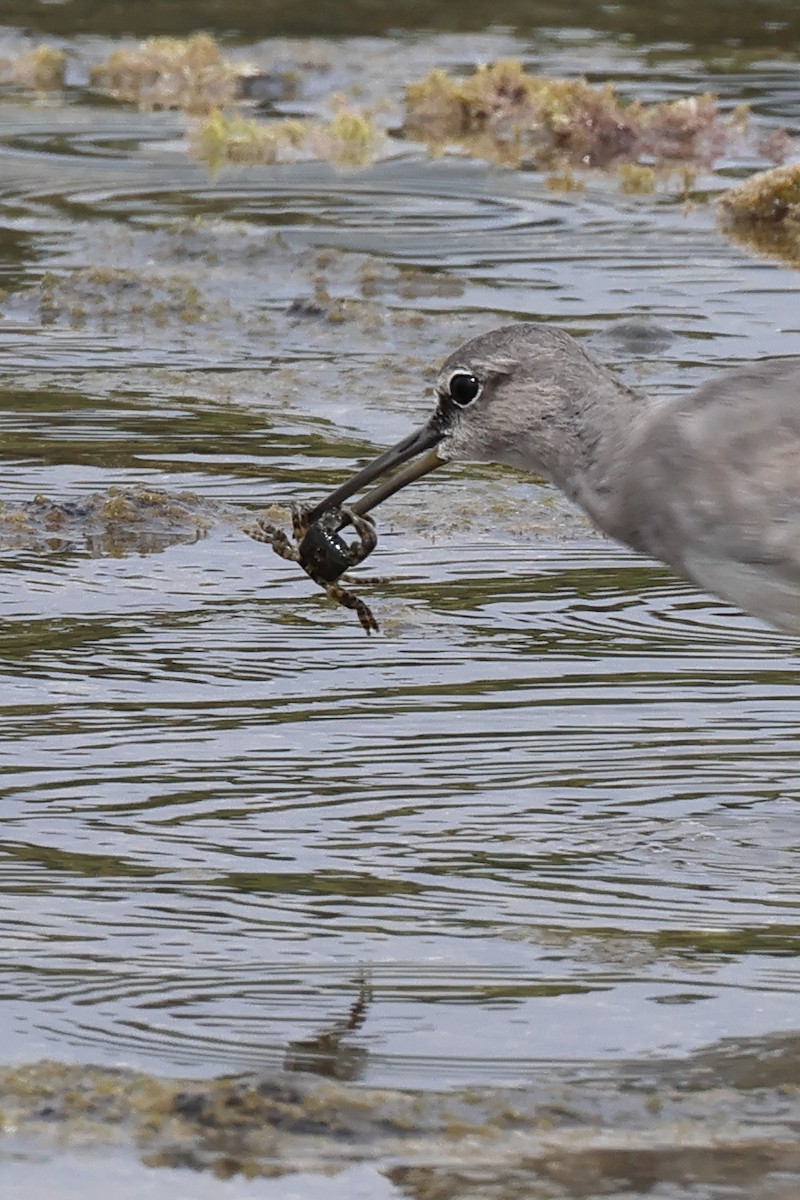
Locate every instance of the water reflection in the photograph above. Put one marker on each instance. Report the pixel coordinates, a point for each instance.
(329, 1051)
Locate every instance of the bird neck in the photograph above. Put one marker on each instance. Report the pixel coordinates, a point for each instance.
(587, 455)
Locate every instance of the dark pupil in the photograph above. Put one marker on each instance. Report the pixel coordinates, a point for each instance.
(464, 388)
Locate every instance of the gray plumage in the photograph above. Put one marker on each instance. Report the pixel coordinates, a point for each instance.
(709, 482)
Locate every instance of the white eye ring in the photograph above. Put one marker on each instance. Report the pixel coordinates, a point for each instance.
(463, 388)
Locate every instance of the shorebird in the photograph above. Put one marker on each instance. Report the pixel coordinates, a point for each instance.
(708, 482)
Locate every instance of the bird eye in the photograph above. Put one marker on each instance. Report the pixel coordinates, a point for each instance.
(463, 388)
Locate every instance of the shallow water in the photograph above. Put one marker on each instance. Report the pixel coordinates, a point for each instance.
(541, 832)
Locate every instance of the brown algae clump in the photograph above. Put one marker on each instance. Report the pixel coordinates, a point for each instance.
(770, 197)
(190, 74)
(40, 69)
(349, 139)
(763, 213)
(537, 115)
(505, 114)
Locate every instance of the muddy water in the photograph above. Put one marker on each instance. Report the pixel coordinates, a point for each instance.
(536, 846)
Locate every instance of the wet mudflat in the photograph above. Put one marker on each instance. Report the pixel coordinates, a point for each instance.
(500, 903)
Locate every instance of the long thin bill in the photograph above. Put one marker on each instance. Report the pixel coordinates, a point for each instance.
(415, 444)
(415, 470)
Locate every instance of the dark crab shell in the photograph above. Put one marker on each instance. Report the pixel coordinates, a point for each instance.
(323, 554)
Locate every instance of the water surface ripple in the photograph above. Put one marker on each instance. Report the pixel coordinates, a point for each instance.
(568, 796)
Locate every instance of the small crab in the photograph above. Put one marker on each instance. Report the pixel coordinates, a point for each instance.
(322, 553)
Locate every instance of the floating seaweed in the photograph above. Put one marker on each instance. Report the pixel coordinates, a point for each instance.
(40, 69)
(191, 74)
(504, 114)
(349, 139)
(635, 179)
(763, 213)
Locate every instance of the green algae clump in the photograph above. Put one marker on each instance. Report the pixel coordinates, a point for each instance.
(635, 179)
(354, 139)
(239, 139)
(763, 213)
(349, 139)
(504, 114)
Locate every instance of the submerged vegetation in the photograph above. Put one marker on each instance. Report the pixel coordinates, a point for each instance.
(114, 523)
(268, 1126)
